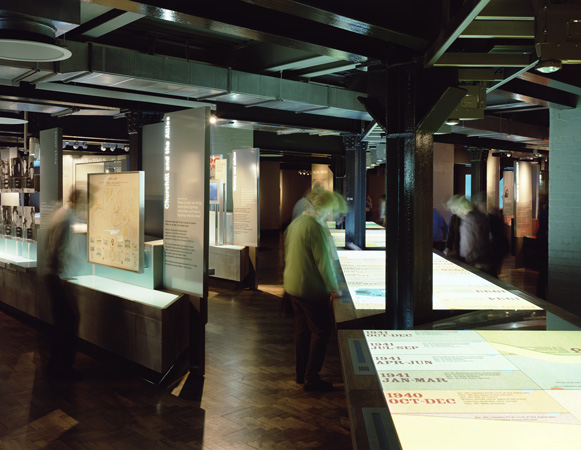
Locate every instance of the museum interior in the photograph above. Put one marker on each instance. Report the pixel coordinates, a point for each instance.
(181, 135)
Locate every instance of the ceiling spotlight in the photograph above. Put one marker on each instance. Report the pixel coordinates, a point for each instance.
(65, 143)
(126, 148)
(103, 148)
(452, 122)
(548, 66)
(75, 145)
(85, 146)
(213, 119)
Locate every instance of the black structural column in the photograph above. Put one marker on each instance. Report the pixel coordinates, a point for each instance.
(478, 159)
(409, 203)
(355, 183)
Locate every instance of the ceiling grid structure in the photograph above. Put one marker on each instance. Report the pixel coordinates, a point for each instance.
(301, 66)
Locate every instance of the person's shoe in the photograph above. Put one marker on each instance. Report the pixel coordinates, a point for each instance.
(318, 386)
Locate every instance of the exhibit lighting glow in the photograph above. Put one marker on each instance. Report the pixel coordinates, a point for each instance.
(167, 165)
(549, 66)
(213, 119)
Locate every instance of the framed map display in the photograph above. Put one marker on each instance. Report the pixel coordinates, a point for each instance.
(115, 222)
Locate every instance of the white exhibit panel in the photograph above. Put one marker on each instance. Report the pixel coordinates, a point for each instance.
(478, 389)
(116, 216)
(186, 193)
(245, 189)
(454, 288)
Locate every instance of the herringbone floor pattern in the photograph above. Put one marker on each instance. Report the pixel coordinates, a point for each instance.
(250, 399)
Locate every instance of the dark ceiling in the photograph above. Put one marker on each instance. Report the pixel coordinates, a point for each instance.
(291, 68)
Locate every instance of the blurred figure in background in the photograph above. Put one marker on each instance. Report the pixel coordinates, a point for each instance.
(382, 207)
(311, 284)
(63, 305)
(475, 237)
(459, 206)
(439, 230)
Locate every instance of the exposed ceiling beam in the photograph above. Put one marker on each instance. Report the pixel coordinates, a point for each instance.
(122, 19)
(522, 98)
(483, 60)
(508, 10)
(504, 29)
(545, 81)
(326, 69)
(339, 21)
(244, 20)
(467, 13)
(531, 90)
(301, 63)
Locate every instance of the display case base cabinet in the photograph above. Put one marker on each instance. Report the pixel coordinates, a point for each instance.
(149, 336)
(229, 262)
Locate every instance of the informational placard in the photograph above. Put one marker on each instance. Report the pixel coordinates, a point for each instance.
(186, 191)
(115, 225)
(245, 189)
(523, 198)
(454, 288)
(494, 389)
(322, 176)
(508, 193)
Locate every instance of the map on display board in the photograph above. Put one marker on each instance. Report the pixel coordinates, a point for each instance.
(115, 225)
(454, 288)
(476, 389)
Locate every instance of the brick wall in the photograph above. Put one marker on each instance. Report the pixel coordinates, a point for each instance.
(565, 209)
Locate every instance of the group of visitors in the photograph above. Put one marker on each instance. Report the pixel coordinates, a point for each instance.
(475, 236)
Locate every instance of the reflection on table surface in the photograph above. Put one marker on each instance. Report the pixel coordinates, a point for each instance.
(454, 287)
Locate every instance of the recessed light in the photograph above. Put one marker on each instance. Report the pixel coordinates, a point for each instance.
(25, 50)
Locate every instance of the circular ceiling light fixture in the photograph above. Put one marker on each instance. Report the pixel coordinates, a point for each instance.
(23, 38)
(548, 66)
(452, 122)
(11, 119)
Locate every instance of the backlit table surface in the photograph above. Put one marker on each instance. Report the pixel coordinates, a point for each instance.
(470, 389)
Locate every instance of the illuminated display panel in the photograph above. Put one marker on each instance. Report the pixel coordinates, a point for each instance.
(373, 238)
(368, 225)
(481, 389)
(453, 286)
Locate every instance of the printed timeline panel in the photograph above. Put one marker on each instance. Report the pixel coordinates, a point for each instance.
(478, 389)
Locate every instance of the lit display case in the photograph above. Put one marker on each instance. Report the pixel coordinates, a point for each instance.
(374, 238)
(454, 287)
(463, 389)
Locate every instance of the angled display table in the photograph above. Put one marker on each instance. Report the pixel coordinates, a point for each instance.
(483, 389)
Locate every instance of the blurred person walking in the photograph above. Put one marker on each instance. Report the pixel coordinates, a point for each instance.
(311, 284)
(63, 306)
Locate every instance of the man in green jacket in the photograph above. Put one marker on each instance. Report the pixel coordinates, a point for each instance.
(311, 284)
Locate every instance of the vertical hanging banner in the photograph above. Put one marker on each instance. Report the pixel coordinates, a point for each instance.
(523, 199)
(245, 188)
(508, 193)
(186, 162)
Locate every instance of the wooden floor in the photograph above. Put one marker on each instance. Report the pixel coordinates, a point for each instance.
(250, 399)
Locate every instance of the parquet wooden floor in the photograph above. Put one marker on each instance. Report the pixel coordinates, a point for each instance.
(250, 399)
